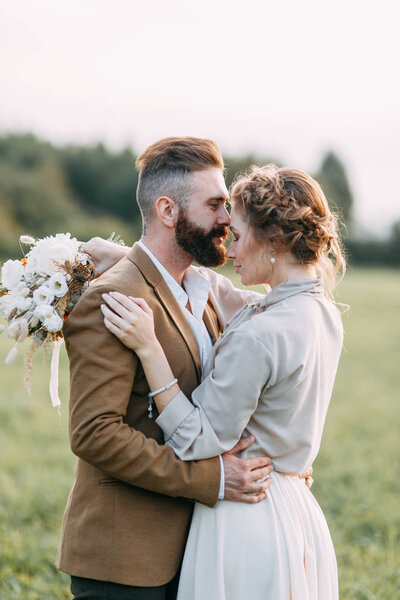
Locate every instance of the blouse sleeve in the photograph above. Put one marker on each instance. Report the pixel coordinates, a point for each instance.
(222, 404)
(225, 298)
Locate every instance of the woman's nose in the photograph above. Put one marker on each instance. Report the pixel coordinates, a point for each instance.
(229, 252)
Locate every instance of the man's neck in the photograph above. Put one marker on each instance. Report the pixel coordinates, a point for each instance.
(170, 255)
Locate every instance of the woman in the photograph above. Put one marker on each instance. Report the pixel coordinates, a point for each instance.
(271, 375)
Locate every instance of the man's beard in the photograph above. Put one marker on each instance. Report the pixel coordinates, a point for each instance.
(198, 243)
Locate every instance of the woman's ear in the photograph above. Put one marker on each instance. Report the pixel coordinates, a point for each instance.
(166, 211)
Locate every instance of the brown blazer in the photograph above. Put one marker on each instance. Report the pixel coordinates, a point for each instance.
(127, 519)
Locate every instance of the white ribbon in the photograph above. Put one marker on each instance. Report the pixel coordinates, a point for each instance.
(55, 360)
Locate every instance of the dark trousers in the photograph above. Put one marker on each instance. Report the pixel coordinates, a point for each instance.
(91, 589)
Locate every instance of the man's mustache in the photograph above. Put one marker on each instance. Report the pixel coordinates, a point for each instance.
(221, 232)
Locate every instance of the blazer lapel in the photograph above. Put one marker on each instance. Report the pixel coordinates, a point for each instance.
(167, 299)
(211, 321)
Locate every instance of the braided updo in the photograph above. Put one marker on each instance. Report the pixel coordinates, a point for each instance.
(295, 204)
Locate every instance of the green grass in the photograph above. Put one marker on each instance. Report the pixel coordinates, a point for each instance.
(356, 479)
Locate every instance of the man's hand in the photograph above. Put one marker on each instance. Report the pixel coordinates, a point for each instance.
(307, 476)
(103, 253)
(242, 476)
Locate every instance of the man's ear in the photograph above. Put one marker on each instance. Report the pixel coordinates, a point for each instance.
(167, 211)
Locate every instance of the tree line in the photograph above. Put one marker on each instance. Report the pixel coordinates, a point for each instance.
(90, 190)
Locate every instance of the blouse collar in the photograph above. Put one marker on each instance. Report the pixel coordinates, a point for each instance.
(291, 288)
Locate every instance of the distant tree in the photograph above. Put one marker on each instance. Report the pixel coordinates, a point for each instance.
(333, 178)
(25, 151)
(394, 244)
(105, 182)
(234, 165)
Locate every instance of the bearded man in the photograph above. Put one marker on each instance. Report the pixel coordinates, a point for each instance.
(126, 521)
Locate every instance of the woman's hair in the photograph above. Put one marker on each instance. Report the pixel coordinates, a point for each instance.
(288, 208)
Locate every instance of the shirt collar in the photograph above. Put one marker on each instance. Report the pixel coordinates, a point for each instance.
(196, 285)
(292, 287)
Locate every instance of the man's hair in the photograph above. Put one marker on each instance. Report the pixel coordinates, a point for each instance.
(165, 166)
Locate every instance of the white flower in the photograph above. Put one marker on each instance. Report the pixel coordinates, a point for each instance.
(49, 253)
(43, 295)
(27, 239)
(24, 303)
(11, 274)
(58, 285)
(11, 356)
(43, 312)
(53, 323)
(23, 290)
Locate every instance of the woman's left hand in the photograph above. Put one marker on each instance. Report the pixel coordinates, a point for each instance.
(130, 320)
(307, 476)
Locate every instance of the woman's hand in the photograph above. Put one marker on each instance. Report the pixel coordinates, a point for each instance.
(307, 476)
(103, 253)
(131, 320)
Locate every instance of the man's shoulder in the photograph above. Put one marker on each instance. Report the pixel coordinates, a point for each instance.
(125, 277)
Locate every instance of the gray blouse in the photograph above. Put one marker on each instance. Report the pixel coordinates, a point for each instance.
(270, 374)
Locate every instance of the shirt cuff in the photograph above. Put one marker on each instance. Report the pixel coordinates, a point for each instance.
(174, 414)
(221, 494)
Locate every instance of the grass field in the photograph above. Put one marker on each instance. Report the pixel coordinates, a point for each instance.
(356, 473)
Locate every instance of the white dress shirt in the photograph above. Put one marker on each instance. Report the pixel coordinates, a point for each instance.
(196, 292)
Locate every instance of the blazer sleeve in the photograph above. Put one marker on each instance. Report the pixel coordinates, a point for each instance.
(102, 372)
(223, 403)
(225, 297)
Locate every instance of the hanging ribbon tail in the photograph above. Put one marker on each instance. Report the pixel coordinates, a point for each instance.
(55, 361)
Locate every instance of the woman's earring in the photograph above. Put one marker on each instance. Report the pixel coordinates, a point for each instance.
(272, 259)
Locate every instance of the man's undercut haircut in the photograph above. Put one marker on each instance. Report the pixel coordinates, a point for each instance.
(164, 170)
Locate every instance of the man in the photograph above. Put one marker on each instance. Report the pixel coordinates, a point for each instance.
(127, 517)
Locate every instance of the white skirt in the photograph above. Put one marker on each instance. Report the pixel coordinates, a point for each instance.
(279, 549)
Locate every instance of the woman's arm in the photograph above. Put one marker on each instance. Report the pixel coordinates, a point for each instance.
(222, 404)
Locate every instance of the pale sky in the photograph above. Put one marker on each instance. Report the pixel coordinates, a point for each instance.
(288, 79)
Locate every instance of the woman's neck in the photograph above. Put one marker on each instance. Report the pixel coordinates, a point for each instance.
(288, 272)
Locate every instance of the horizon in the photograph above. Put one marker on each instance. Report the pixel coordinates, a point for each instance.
(292, 84)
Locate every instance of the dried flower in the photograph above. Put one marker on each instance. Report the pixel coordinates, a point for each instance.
(27, 239)
(11, 356)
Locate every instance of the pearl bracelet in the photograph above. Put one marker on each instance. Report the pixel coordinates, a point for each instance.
(152, 394)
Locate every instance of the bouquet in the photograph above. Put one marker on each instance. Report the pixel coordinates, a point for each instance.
(38, 292)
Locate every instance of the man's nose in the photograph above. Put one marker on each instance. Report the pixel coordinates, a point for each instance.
(224, 217)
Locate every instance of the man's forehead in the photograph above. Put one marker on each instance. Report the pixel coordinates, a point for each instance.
(210, 181)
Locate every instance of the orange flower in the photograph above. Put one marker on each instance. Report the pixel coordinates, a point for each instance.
(23, 260)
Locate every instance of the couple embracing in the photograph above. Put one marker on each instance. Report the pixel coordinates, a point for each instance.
(197, 408)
